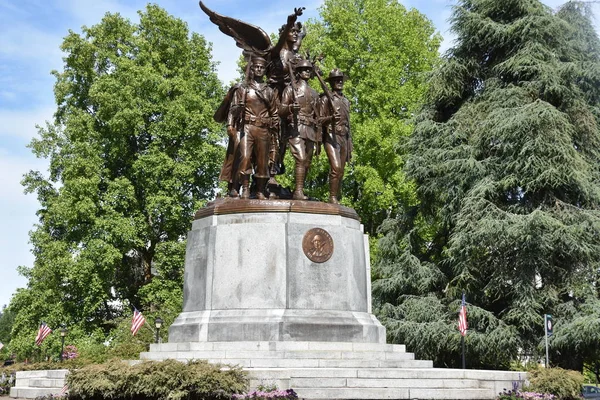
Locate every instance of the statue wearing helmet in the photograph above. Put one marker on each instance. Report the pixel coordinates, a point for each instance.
(298, 108)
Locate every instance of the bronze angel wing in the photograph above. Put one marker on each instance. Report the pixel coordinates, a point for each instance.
(248, 37)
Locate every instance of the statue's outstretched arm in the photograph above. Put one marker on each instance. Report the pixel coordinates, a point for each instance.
(291, 20)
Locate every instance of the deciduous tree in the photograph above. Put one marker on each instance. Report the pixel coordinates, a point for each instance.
(133, 153)
(387, 51)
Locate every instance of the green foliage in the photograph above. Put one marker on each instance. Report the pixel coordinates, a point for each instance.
(125, 346)
(6, 322)
(169, 379)
(91, 351)
(564, 384)
(576, 332)
(387, 51)
(504, 157)
(428, 327)
(7, 318)
(133, 153)
(39, 366)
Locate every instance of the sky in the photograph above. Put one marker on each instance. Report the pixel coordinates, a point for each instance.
(31, 32)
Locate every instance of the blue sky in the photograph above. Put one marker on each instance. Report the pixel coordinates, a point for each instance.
(31, 32)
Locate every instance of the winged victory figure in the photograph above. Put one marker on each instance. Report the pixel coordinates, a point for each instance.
(281, 60)
(255, 41)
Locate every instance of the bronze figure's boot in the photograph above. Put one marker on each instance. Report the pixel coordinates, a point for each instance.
(299, 191)
(334, 188)
(261, 185)
(232, 191)
(245, 187)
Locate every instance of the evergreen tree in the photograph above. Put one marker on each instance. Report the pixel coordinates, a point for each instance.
(133, 153)
(505, 159)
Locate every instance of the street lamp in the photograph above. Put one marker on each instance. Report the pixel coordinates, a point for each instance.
(63, 333)
(157, 324)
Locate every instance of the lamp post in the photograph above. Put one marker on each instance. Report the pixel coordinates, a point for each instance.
(63, 333)
(157, 324)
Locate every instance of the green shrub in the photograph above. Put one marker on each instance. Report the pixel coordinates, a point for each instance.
(564, 384)
(126, 346)
(92, 352)
(164, 380)
(47, 397)
(39, 366)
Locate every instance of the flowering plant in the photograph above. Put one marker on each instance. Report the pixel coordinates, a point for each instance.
(70, 352)
(6, 382)
(516, 394)
(274, 394)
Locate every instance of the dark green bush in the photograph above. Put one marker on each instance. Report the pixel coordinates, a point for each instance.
(47, 397)
(564, 384)
(164, 380)
(67, 364)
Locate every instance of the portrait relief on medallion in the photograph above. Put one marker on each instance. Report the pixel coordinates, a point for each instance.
(317, 245)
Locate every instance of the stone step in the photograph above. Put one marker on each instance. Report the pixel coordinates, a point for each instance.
(439, 373)
(43, 383)
(388, 373)
(277, 346)
(315, 354)
(309, 362)
(400, 393)
(311, 383)
(49, 373)
(341, 383)
(32, 393)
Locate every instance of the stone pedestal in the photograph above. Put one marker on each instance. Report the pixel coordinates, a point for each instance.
(282, 289)
(249, 278)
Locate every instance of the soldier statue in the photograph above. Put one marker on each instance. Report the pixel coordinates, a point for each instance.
(334, 112)
(257, 107)
(298, 108)
(254, 105)
(230, 169)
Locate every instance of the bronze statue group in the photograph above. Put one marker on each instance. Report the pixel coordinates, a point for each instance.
(275, 108)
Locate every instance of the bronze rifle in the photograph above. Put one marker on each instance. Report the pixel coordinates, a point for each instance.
(294, 91)
(331, 106)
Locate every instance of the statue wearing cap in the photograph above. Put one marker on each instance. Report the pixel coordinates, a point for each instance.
(298, 108)
(254, 105)
(334, 112)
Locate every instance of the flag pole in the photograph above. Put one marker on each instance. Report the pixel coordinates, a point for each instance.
(462, 327)
(148, 325)
(546, 336)
(462, 341)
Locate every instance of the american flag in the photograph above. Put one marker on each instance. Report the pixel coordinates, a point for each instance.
(137, 321)
(462, 317)
(42, 333)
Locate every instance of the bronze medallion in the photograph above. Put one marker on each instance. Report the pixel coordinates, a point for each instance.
(317, 245)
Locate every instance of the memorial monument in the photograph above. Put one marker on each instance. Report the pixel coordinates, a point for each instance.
(277, 269)
(280, 284)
